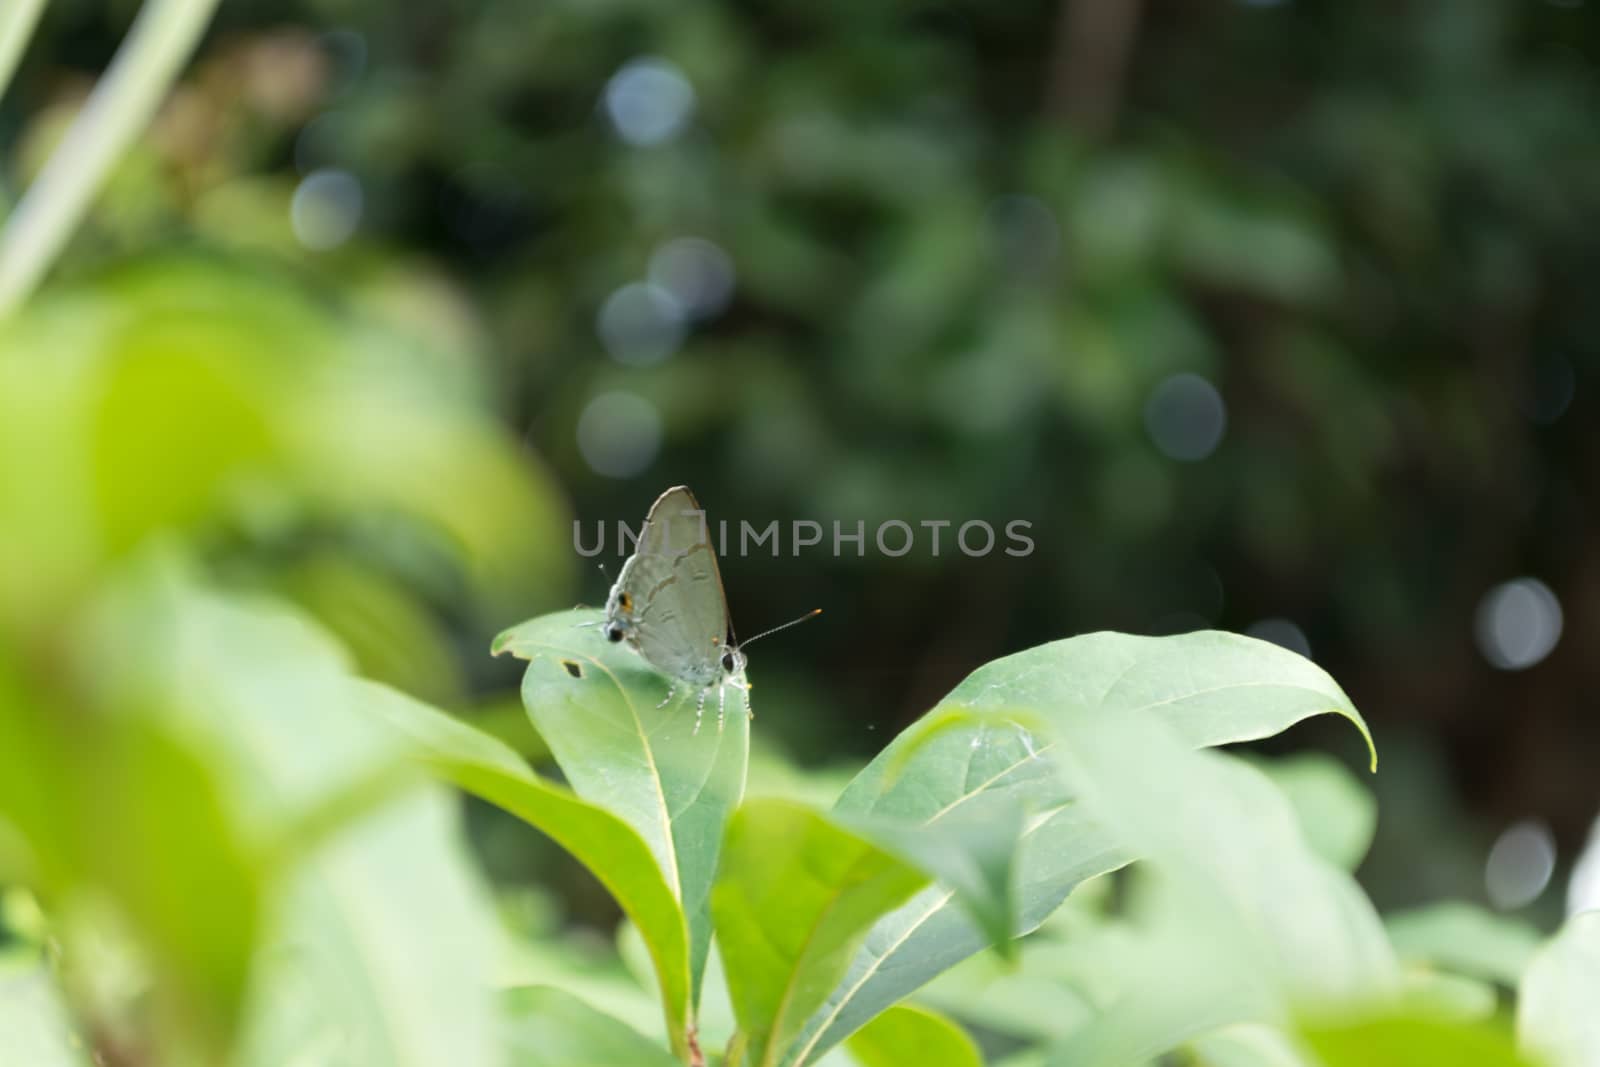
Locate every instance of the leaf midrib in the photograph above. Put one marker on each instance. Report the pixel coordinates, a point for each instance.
(674, 878)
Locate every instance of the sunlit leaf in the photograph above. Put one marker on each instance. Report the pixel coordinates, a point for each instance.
(1408, 1042)
(35, 1030)
(1556, 1017)
(1463, 937)
(1337, 813)
(906, 1034)
(380, 947)
(988, 738)
(596, 705)
(1247, 1045)
(547, 1027)
(1244, 922)
(794, 896)
(608, 846)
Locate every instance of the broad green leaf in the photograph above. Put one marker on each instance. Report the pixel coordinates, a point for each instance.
(906, 1034)
(547, 1027)
(1434, 994)
(1556, 1011)
(987, 739)
(1026, 999)
(120, 801)
(609, 847)
(1212, 688)
(1245, 922)
(381, 947)
(158, 830)
(1467, 938)
(793, 899)
(1337, 814)
(1246, 1045)
(971, 851)
(1411, 1042)
(179, 398)
(596, 705)
(35, 1030)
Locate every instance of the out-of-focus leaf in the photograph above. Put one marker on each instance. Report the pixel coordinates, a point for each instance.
(988, 739)
(144, 791)
(596, 704)
(88, 800)
(906, 1034)
(1028, 999)
(1246, 1045)
(1408, 1042)
(612, 850)
(390, 635)
(794, 896)
(381, 949)
(1244, 922)
(972, 852)
(1440, 995)
(1556, 1017)
(1337, 813)
(259, 408)
(35, 1030)
(1458, 936)
(547, 1027)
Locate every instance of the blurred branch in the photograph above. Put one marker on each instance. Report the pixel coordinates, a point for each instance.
(1093, 41)
(120, 107)
(17, 19)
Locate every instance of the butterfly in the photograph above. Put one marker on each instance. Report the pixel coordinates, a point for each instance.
(669, 605)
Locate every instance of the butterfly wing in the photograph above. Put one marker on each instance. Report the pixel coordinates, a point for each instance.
(681, 622)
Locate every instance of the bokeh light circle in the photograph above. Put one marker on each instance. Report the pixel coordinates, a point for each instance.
(326, 208)
(1186, 417)
(1518, 624)
(649, 101)
(640, 324)
(1520, 865)
(619, 434)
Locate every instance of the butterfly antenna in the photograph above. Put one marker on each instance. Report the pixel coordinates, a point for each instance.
(813, 613)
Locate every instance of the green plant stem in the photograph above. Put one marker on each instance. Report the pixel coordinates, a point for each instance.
(17, 19)
(123, 101)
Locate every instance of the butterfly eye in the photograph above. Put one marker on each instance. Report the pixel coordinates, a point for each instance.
(727, 663)
(613, 634)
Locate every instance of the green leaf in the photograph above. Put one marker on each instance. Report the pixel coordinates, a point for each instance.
(546, 1027)
(1246, 1045)
(1408, 1042)
(595, 703)
(988, 739)
(792, 901)
(906, 1034)
(1212, 688)
(1337, 814)
(1556, 1016)
(381, 946)
(1244, 922)
(972, 852)
(35, 1030)
(1466, 938)
(1433, 994)
(609, 847)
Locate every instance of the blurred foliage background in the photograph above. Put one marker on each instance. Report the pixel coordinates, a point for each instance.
(1270, 316)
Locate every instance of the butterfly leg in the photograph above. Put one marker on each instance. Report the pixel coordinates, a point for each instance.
(722, 705)
(699, 710)
(671, 689)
